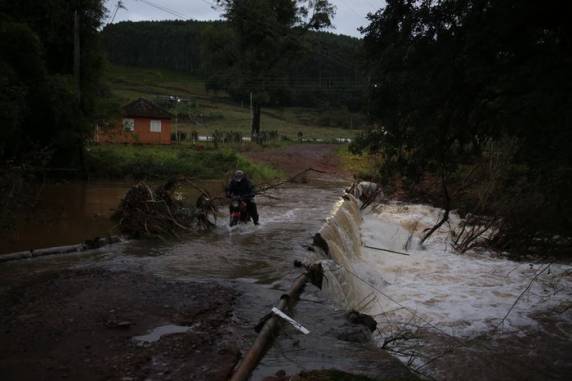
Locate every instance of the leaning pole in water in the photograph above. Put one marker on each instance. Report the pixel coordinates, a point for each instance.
(265, 336)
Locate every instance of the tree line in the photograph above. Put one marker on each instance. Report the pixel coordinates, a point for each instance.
(477, 94)
(326, 69)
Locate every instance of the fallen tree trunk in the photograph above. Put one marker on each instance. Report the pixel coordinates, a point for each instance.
(79, 248)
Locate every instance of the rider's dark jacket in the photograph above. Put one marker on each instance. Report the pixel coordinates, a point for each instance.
(242, 188)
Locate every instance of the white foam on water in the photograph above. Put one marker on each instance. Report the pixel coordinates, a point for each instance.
(462, 295)
(241, 228)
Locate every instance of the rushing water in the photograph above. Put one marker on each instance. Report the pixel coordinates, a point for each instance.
(473, 316)
(262, 254)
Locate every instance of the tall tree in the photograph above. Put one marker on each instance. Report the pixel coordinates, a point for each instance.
(269, 32)
(36, 56)
(449, 77)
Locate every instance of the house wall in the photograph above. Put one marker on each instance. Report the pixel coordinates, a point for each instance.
(141, 135)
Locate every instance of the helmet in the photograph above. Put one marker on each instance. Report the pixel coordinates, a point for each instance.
(238, 175)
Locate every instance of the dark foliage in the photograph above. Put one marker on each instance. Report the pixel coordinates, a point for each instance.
(268, 35)
(39, 106)
(464, 83)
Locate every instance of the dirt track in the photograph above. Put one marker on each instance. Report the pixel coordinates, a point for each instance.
(295, 158)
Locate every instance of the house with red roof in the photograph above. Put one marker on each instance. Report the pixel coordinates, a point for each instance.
(143, 122)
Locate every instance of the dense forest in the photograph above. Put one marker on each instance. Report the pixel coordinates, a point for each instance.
(326, 70)
(476, 93)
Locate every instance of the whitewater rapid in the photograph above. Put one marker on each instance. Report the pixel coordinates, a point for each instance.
(461, 294)
(447, 297)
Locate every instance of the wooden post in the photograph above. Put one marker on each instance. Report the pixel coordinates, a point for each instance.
(76, 54)
(265, 336)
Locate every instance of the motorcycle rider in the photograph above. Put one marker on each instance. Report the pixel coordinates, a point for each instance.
(240, 186)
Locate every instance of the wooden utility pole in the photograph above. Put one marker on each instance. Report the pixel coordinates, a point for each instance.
(251, 114)
(76, 54)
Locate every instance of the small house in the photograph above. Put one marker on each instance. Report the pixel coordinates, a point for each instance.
(143, 122)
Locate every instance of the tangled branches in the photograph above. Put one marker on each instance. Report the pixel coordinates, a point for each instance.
(144, 212)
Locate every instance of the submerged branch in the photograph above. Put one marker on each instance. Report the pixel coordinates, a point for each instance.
(445, 217)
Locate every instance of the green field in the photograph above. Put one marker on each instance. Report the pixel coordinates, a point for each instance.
(153, 162)
(210, 112)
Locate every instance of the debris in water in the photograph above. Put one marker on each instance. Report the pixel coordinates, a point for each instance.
(157, 213)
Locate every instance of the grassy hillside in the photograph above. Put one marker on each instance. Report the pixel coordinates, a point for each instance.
(208, 112)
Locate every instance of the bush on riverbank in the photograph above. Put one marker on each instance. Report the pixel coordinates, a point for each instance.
(148, 162)
(363, 166)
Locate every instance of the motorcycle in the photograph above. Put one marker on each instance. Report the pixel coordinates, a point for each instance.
(238, 210)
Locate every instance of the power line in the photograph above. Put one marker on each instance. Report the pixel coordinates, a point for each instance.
(117, 7)
(164, 9)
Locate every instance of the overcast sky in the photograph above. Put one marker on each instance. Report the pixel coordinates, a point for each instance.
(350, 14)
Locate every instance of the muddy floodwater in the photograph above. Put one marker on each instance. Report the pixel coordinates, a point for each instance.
(70, 213)
(256, 261)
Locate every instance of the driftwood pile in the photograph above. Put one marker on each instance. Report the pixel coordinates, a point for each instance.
(157, 213)
(144, 212)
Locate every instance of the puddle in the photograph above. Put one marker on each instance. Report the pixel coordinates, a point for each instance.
(156, 334)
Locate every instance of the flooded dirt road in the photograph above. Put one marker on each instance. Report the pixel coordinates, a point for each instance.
(227, 280)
